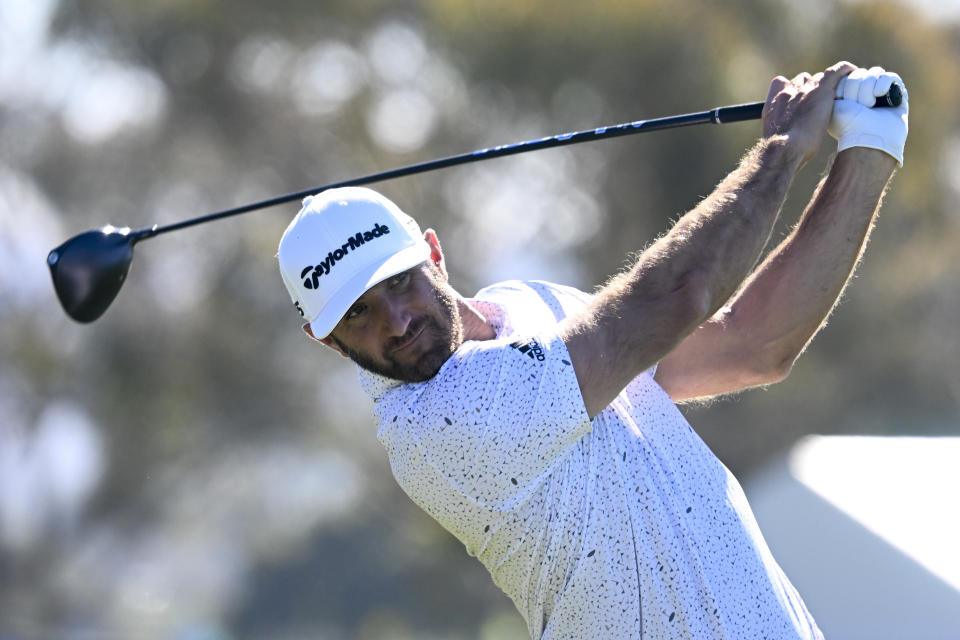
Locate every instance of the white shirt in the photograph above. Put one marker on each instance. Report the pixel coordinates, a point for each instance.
(622, 527)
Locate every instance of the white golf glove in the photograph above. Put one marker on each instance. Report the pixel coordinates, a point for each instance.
(855, 124)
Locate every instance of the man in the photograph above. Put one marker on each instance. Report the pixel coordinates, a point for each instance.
(537, 423)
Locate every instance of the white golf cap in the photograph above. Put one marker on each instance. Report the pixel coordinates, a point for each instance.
(342, 242)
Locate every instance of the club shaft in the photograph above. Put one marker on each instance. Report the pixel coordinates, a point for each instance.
(719, 115)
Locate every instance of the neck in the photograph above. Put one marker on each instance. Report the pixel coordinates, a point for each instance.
(475, 324)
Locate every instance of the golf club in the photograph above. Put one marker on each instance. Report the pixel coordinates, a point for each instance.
(89, 269)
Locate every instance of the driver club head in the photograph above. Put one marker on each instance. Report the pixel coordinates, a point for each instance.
(89, 269)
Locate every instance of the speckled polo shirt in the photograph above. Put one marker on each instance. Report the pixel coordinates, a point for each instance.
(626, 527)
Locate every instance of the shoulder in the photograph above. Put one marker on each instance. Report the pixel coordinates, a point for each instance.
(492, 421)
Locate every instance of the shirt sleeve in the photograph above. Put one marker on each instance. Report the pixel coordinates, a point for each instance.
(496, 418)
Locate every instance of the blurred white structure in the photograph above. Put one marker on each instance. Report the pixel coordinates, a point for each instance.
(868, 530)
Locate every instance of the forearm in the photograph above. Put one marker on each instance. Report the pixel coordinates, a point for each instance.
(790, 296)
(642, 315)
(758, 336)
(717, 244)
(678, 282)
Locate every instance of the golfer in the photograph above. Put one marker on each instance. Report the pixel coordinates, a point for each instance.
(537, 423)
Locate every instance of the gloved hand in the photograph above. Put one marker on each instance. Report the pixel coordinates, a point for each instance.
(855, 124)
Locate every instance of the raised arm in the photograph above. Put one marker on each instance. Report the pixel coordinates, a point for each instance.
(688, 274)
(758, 337)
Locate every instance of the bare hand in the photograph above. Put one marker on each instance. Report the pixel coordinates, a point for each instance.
(799, 109)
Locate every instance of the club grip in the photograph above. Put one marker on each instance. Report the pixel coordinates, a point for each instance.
(753, 110)
(738, 112)
(892, 98)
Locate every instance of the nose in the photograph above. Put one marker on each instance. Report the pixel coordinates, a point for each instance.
(396, 320)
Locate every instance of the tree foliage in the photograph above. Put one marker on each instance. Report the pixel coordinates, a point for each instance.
(239, 489)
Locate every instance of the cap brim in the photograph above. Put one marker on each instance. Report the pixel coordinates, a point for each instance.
(373, 274)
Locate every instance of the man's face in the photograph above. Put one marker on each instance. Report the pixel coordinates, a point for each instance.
(404, 327)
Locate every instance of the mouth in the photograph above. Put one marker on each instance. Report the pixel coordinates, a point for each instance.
(409, 342)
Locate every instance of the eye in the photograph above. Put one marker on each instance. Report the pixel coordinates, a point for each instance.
(355, 311)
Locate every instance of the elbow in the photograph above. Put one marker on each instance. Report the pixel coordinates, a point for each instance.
(780, 372)
(763, 356)
(694, 300)
(774, 365)
(752, 373)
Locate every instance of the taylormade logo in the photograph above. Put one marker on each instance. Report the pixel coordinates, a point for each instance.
(311, 274)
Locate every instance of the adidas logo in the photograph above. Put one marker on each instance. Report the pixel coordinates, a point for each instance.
(532, 349)
(311, 281)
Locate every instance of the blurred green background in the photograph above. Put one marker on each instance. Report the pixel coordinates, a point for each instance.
(191, 466)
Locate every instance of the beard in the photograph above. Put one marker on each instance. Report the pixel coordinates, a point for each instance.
(442, 337)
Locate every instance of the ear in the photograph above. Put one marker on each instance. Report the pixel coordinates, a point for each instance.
(327, 342)
(436, 253)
